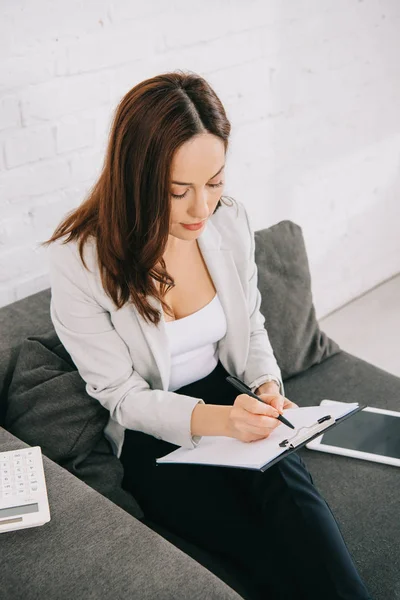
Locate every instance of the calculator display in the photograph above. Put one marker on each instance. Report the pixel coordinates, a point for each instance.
(18, 510)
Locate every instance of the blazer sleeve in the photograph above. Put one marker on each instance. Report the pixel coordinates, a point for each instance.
(261, 360)
(103, 359)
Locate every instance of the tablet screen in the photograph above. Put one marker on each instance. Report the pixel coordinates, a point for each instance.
(367, 432)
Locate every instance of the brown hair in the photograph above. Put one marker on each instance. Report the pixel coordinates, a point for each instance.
(128, 209)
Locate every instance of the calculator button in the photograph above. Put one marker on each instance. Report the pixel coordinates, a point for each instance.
(7, 493)
(34, 487)
(20, 492)
(7, 486)
(18, 463)
(18, 470)
(30, 461)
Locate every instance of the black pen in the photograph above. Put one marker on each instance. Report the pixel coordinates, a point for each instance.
(242, 387)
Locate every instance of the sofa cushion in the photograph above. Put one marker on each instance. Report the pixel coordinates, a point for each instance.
(91, 549)
(48, 406)
(28, 316)
(284, 282)
(363, 495)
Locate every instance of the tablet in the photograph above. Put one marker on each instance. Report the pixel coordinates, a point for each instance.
(371, 434)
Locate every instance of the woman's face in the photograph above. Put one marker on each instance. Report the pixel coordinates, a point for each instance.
(197, 176)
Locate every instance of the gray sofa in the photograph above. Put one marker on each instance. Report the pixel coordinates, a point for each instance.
(99, 543)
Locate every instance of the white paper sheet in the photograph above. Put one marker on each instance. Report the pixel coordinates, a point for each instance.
(227, 451)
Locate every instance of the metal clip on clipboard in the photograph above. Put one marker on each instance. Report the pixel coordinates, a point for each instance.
(310, 430)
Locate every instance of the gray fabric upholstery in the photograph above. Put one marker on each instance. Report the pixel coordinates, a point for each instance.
(28, 316)
(364, 496)
(46, 389)
(48, 406)
(285, 284)
(93, 550)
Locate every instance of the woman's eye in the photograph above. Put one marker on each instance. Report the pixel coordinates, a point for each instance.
(181, 196)
(216, 185)
(212, 185)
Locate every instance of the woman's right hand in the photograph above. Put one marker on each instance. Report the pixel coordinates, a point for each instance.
(250, 420)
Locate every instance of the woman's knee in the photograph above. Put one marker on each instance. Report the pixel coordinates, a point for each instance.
(294, 468)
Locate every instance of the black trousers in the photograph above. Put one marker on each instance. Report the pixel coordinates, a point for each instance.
(273, 525)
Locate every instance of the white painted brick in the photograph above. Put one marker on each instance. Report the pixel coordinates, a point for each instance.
(139, 40)
(28, 145)
(27, 286)
(74, 132)
(86, 166)
(232, 50)
(9, 209)
(7, 294)
(7, 41)
(312, 90)
(41, 213)
(177, 34)
(46, 214)
(103, 118)
(21, 71)
(120, 12)
(15, 230)
(241, 101)
(57, 98)
(72, 196)
(48, 21)
(9, 112)
(23, 287)
(222, 19)
(42, 177)
(21, 261)
(33, 223)
(124, 77)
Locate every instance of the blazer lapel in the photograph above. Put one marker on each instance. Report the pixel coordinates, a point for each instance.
(234, 346)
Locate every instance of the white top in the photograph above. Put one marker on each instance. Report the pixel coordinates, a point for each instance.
(193, 343)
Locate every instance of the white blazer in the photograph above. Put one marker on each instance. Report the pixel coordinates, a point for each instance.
(125, 361)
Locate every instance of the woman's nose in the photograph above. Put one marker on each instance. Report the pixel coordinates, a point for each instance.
(200, 207)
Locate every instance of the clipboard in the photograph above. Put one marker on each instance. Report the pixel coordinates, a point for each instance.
(231, 453)
(298, 440)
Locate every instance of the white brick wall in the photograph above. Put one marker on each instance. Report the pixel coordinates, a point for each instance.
(312, 89)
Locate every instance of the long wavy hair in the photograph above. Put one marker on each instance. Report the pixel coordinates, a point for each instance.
(127, 210)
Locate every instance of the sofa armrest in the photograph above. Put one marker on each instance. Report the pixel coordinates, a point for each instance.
(91, 548)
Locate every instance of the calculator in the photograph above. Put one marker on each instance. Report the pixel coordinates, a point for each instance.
(23, 492)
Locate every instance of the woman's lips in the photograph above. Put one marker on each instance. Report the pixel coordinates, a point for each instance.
(193, 227)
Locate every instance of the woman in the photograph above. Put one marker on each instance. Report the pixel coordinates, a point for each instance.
(154, 295)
